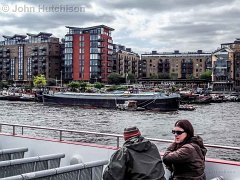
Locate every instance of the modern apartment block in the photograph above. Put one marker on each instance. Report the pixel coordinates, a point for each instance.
(88, 53)
(174, 65)
(23, 57)
(226, 67)
(125, 61)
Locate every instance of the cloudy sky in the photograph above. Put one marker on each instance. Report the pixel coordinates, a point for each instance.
(143, 25)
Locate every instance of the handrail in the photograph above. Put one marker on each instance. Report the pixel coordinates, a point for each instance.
(118, 136)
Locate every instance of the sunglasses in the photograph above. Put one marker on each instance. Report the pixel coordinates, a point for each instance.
(177, 132)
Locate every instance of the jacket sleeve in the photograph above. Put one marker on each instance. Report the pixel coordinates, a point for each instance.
(116, 168)
(182, 154)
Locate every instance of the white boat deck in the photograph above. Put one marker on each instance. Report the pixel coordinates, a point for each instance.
(81, 152)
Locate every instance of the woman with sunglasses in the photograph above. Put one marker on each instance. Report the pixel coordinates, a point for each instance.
(185, 157)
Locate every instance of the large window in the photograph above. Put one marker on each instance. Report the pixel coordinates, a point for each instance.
(94, 56)
(20, 62)
(12, 64)
(29, 68)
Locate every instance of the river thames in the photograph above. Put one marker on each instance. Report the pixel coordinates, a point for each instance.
(215, 123)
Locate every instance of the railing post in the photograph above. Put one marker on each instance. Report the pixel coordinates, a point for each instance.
(22, 130)
(117, 142)
(60, 138)
(14, 130)
(0, 128)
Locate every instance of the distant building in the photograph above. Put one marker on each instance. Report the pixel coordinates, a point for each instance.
(174, 65)
(88, 53)
(22, 58)
(125, 61)
(226, 67)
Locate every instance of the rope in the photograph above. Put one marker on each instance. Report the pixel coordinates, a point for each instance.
(148, 103)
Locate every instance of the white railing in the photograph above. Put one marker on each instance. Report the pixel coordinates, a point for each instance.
(117, 136)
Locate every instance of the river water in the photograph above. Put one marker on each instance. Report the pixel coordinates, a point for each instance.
(216, 123)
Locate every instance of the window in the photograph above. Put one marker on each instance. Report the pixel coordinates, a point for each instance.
(68, 38)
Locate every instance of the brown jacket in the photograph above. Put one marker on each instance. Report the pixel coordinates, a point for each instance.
(186, 161)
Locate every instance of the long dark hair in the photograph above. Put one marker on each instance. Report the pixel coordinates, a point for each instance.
(187, 127)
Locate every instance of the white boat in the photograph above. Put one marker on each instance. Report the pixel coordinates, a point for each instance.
(81, 158)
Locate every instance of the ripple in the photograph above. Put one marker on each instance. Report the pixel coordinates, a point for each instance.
(216, 123)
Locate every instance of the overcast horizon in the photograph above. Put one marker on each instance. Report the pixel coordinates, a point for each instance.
(144, 26)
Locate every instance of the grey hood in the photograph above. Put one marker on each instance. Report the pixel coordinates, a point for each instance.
(139, 144)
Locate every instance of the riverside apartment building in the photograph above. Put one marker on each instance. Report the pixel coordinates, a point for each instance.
(88, 53)
(24, 56)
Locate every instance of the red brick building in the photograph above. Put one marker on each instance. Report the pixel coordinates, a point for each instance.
(88, 53)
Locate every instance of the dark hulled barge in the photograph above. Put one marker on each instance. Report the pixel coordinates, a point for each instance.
(149, 101)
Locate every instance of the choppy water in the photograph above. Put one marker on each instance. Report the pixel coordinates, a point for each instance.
(215, 123)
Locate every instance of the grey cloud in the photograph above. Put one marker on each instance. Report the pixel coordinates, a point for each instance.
(161, 6)
(54, 20)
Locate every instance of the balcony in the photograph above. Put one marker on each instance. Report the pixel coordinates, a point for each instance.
(101, 39)
(101, 46)
(35, 49)
(43, 48)
(42, 53)
(35, 60)
(34, 54)
(35, 66)
(35, 73)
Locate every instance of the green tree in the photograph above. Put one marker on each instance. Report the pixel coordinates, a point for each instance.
(153, 76)
(207, 75)
(164, 76)
(74, 85)
(190, 76)
(83, 86)
(115, 78)
(131, 78)
(3, 84)
(174, 75)
(98, 85)
(39, 81)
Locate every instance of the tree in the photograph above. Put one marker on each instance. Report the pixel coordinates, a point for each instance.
(190, 76)
(39, 81)
(115, 78)
(207, 75)
(153, 76)
(98, 85)
(83, 86)
(3, 84)
(174, 75)
(74, 85)
(164, 76)
(131, 78)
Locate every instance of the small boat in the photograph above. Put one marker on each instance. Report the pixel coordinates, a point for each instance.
(187, 107)
(130, 106)
(36, 154)
(148, 101)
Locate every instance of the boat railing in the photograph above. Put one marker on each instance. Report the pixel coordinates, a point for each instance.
(117, 136)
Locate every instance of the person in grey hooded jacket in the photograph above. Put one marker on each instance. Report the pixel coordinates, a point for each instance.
(138, 159)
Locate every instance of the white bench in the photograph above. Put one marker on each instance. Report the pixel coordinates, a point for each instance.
(31, 164)
(86, 171)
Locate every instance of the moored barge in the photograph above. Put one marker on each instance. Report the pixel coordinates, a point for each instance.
(149, 101)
